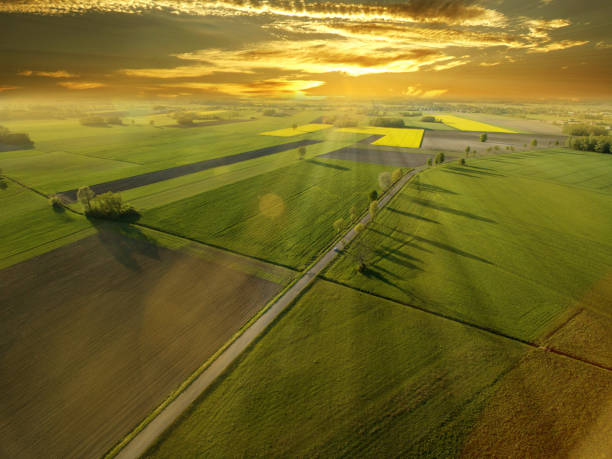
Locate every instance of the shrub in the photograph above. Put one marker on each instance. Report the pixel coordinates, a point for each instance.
(353, 213)
(56, 202)
(373, 208)
(373, 195)
(439, 159)
(429, 162)
(110, 205)
(384, 180)
(359, 227)
(85, 195)
(534, 143)
(14, 139)
(467, 149)
(462, 161)
(338, 225)
(397, 174)
(584, 130)
(429, 119)
(302, 152)
(484, 137)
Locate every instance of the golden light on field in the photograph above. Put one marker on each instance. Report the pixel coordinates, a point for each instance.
(271, 205)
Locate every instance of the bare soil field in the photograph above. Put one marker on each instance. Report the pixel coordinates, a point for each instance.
(96, 334)
(458, 140)
(173, 172)
(388, 156)
(531, 126)
(546, 406)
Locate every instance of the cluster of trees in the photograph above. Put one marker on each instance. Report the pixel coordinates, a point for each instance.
(100, 121)
(584, 130)
(387, 122)
(14, 139)
(415, 113)
(273, 112)
(429, 119)
(339, 121)
(107, 205)
(599, 144)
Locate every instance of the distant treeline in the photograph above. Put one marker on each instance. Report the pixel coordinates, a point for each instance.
(387, 122)
(599, 144)
(14, 139)
(99, 121)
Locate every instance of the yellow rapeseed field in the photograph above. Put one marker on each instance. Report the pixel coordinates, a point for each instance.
(470, 125)
(393, 137)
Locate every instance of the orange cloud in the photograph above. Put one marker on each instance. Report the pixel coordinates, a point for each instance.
(271, 87)
(55, 74)
(80, 85)
(465, 12)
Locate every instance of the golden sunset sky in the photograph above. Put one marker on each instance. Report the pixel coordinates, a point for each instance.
(446, 49)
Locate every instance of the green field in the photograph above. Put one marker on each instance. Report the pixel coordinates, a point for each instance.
(68, 155)
(489, 243)
(30, 226)
(284, 216)
(347, 374)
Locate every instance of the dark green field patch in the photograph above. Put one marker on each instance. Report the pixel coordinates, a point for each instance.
(494, 243)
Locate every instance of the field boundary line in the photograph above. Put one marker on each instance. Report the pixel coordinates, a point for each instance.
(137, 442)
(483, 328)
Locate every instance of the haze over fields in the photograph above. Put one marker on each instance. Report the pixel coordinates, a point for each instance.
(297, 228)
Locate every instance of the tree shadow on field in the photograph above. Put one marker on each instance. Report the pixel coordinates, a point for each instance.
(126, 242)
(449, 171)
(441, 208)
(332, 166)
(474, 170)
(430, 188)
(407, 241)
(452, 249)
(408, 214)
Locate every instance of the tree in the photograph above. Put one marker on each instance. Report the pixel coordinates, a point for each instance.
(484, 137)
(397, 174)
(152, 122)
(467, 150)
(353, 213)
(56, 202)
(534, 143)
(439, 159)
(338, 225)
(110, 205)
(294, 126)
(85, 195)
(373, 208)
(302, 152)
(429, 161)
(373, 195)
(428, 119)
(359, 227)
(384, 180)
(462, 161)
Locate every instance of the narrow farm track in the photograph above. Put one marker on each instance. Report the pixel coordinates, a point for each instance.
(139, 444)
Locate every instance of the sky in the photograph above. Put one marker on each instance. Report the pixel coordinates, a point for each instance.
(413, 49)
